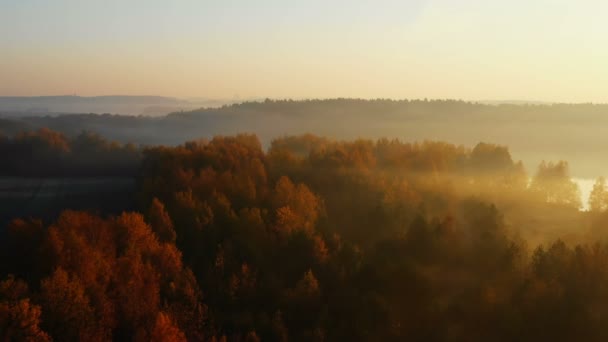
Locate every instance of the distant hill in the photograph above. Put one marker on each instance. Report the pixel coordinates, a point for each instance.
(126, 105)
(514, 102)
(572, 132)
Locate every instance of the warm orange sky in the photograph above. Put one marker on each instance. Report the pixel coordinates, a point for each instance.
(551, 50)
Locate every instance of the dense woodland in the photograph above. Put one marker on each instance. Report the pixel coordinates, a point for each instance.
(311, 239)
(533, 132)
(47, 153)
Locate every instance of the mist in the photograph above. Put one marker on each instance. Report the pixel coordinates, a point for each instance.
(533, 132)
(239, 171)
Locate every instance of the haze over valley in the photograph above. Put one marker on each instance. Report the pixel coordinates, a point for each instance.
(239, 171)
(533, 132)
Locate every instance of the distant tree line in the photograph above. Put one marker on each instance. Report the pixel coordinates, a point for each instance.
(532, 131)
(47, 153)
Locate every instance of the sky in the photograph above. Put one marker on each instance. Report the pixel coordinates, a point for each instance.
(545, 50)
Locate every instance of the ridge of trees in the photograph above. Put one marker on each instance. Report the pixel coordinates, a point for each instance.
(47, 153)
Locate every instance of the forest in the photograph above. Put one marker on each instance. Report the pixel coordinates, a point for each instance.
(311, 238)
(48, 153)
(533, 131)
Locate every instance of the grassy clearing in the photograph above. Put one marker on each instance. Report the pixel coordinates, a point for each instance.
(46, 197)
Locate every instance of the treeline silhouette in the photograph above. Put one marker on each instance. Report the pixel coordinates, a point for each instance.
(317, 240)
(532, 131)
(47, 153)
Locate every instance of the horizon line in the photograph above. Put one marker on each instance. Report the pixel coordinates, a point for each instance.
(265, 98)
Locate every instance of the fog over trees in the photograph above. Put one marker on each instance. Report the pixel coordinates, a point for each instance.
(308, 239)
(312, 171)
(533, 132)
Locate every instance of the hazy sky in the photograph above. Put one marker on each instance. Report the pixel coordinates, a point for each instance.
(553, 50)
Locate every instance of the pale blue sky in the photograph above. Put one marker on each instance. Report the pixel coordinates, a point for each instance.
(554, 50)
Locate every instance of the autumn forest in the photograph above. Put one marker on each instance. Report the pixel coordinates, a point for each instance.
(303, 171)
(310, 239)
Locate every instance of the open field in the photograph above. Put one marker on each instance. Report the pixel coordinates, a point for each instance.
(46, 197)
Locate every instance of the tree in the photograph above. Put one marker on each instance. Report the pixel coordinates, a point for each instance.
(552, 182)
(13, 289)
(165, 330)
(67, 312)
(20, 321)
(490, 158)
(298, 208)
(598, 199)
(307, 287)
(160, 222)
